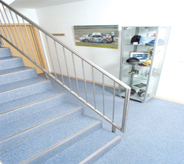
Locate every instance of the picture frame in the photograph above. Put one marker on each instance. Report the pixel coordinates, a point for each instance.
(142, 56)
(101, 36)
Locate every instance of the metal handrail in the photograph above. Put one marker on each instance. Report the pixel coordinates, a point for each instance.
(83, 59)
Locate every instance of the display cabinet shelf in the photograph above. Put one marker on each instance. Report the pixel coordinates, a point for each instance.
(138, 45)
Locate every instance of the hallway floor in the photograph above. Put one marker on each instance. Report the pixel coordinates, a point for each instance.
(154, 132)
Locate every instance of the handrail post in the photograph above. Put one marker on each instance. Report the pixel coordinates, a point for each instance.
(125, 109)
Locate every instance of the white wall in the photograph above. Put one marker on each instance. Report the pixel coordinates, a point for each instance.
(62, 18)
(30, 13)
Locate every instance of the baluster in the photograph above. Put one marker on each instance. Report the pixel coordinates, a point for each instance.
(67, 68)
(84, 80)
(3, 29)
(103, 94)
(50, 56)
(1, 41)
(6, 25)
(113, 127)
(23, 36)
(59, 63)
(44, 55)
(29, 40)
(36, 45)
(93, 87)
(10, 25)
(75, 74)
(16, 30)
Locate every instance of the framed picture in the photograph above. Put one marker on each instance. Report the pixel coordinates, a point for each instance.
(103, 36)
(142, 56)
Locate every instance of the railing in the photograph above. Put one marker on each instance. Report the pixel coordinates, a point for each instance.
(15, 31)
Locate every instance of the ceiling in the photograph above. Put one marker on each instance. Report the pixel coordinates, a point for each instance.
(33, 4)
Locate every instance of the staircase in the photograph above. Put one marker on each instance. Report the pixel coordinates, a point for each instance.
(38, 124)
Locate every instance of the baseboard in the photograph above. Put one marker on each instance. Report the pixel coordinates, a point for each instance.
(107, 85)
(118, 88)
(169, 99)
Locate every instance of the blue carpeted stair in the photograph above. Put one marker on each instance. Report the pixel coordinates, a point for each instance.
(39, 125)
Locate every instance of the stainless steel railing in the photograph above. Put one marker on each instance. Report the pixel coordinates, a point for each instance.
(20, 39)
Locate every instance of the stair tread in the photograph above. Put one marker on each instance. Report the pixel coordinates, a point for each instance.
(84, 148)
(17, 76)
(14, 85)
(24, 91)
(12, 70)
(18, 113)
(4, 51)
(34, 119)
(27, 100)
(8, 57)
(10, 62)
(32, 147)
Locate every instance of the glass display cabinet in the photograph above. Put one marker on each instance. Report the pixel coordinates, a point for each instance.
(142, 55)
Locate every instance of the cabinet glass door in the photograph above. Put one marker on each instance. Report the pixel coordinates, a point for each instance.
(157, 62)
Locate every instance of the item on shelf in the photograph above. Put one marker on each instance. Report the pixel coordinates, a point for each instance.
(140, 85)
(133, 72)
(135, 39)
(151, 34)
(144, 64)
(132, 61)
(150, 51)
(160, 42)
(147, 40)
(141, 93)
(142, 56)
(133, 91)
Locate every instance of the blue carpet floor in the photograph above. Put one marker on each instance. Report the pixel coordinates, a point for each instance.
(154, 132)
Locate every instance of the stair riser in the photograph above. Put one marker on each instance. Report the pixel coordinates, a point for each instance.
(11, 63)
(5, 52)
(65, 145)
(27, 135)
(24, 91)
(33, 108)
(17, 76)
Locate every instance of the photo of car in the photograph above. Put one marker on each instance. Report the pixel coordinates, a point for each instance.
(101, 36)
(96, 37)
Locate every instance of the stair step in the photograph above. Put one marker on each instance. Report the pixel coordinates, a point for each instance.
(5, 107)
(7, 57)
(12, 70)
(44, 141)
(87, 150)
(4, 52)
(14, 76)
(10, 62)
(43, 127)
(19, 84)
(22, 112)
(34, 119)
(24, 91)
